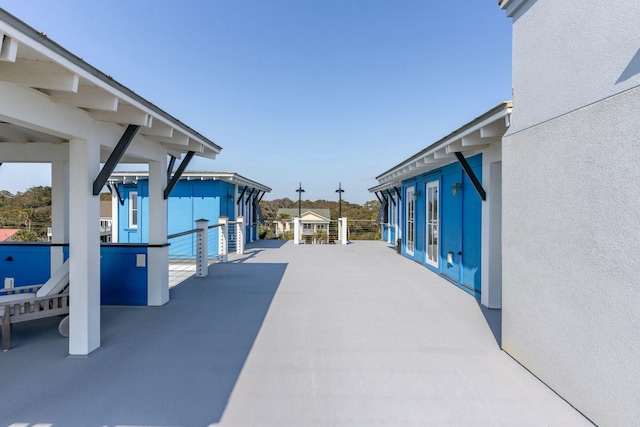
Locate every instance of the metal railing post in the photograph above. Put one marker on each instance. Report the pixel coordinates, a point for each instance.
(223, 240)
(296, 231)
(342, 230)
(240, 235)
(202, 248)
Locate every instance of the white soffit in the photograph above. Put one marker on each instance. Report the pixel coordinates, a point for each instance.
(29, 59)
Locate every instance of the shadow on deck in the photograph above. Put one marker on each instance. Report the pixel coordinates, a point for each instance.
(155, 364)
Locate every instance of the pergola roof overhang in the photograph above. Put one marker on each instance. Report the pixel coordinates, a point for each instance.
(468, 140)
(123, 177)
(49, 95)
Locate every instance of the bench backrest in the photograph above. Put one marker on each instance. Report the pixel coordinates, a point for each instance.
(58, 281)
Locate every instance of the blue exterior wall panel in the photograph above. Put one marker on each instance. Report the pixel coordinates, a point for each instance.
(27, 264)
(459, 228)
(189, 201)
(121, 282)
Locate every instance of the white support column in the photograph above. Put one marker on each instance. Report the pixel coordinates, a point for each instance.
(114, 216)
(236, 194)
(296, 231)
(59, 212)
(223, 239)
(491, 258)
(84, 248)
(202, 248)
(158, 251)
(249, 218)
(240, 235)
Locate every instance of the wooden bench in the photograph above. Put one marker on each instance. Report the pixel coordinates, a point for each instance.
(23, 310)
(34, 302)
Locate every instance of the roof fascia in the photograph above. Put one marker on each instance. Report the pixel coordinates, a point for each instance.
(230, 177)
(511, 6)
(385, 186)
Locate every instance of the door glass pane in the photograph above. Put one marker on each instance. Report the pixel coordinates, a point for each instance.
(410, 221)
(432, 223)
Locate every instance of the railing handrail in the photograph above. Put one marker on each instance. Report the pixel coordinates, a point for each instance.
(184, 233)
(195, 230)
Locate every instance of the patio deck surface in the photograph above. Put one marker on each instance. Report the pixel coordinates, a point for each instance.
(285, 335)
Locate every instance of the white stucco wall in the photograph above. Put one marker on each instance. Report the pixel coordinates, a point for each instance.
(567, 54)
(571, 254)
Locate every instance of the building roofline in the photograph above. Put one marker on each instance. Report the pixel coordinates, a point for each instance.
(501, 111)
(511, 6)
(92, 71)
(122, 177)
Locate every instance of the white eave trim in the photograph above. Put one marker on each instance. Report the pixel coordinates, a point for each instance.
(511, 6)
(384, 187)
(230, 177)
(440, 153)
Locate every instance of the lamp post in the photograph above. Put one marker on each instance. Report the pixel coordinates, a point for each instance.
(340, 191)
(300, 191)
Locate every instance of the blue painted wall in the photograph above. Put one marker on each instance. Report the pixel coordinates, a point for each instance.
(27, 264)
(459, 231)
(121, 282)
(189, 201)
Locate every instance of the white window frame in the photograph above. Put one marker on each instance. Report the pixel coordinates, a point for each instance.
(133, 210)
(410, 221)
(433, 222)
(393, 218)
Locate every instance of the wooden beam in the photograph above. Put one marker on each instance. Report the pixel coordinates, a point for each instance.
(39, 74)
(158, 128)
(91, 97)
(8, 48)
(126, 114)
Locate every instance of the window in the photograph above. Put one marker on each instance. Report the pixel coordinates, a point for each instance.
(410, 214)
(432, 223)
(394, 220)
(133, 209)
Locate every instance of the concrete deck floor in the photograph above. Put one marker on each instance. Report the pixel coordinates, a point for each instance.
(285, 336)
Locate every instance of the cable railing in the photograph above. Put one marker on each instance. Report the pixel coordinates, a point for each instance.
(363, 230)
(335, 231)
(192, 251)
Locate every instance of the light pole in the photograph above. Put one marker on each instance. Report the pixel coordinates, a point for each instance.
(300, 191)
(340, 191)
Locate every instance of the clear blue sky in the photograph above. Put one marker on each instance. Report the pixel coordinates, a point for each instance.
(311, 91)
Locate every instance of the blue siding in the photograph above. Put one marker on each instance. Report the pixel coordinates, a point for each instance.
(450, 225)
(189, 201)
(459, 227)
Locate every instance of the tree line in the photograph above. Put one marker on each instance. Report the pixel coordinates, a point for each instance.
(30, 211)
